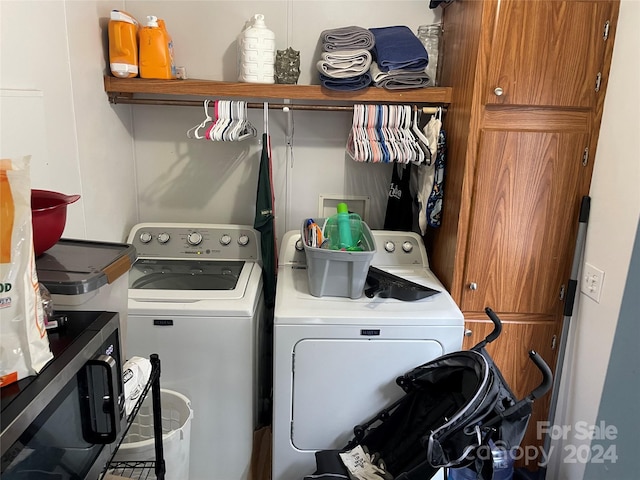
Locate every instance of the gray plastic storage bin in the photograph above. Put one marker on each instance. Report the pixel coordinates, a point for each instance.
(337, 273)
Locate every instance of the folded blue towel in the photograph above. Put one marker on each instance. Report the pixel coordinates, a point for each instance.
(397, 48)
(346, 84)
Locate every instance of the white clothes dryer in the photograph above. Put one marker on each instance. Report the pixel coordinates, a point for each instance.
(336, 359)
(195, 299)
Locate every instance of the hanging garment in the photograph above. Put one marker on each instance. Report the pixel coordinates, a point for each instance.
(424, 180)
(426, 173)
(399, 214)
(263, 222)
(434, 204)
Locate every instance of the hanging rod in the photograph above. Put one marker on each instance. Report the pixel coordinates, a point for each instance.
(123, 99)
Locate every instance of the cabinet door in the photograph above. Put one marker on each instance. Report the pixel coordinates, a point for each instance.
(520, 249)
(547, 52)
(510, 353)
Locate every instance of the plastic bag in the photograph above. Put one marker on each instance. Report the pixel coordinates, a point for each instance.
(135, 374)
(24, 345)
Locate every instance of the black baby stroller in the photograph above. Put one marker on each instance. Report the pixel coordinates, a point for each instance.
(456, 408)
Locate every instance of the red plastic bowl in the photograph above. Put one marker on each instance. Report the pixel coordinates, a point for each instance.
(48, 216)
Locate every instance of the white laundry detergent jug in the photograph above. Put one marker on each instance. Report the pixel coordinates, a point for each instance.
(256, 52)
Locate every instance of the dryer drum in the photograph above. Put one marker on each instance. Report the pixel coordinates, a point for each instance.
(453, 407)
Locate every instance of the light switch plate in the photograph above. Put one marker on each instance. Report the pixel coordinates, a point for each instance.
(592, 281)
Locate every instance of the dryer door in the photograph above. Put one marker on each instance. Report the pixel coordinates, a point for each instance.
(340, 383)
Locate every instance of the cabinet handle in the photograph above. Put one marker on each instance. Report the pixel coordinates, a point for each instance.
(473, 286)
(468, 333)
(498, 91)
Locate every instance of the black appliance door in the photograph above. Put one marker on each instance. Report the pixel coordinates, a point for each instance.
(71, 437)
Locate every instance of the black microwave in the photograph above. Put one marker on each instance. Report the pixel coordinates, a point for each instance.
(65, 422)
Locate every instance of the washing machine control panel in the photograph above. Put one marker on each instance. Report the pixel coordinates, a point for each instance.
(397, 249)
(203, 241)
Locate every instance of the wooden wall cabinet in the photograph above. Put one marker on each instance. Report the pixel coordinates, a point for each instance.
(547, 52)
(528, 80)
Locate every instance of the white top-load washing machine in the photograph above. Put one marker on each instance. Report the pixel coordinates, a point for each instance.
(195, 298)
(336, 359)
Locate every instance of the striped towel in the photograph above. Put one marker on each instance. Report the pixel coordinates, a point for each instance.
(347, 38)
(344, 63)
(398, 79)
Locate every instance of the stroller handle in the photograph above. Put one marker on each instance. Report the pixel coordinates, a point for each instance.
(497, 326)
(547, 376)
(495, 333)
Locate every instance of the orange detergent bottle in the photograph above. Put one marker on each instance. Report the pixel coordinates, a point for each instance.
(156, 50)
(123, 44)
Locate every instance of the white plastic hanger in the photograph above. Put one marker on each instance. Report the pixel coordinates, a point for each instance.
(246, 128)
(411, 144)
(222, 121)
(194, 132)
(421, 140)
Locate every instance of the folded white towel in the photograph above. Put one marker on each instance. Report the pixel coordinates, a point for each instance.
(344, 63)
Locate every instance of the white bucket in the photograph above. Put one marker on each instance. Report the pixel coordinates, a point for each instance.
(138, 445)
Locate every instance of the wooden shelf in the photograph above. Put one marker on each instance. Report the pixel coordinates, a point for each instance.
(128, 90)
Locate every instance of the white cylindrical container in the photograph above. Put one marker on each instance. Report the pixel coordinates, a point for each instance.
(257, 53)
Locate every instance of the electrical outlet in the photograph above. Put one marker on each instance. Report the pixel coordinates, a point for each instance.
(592, 280)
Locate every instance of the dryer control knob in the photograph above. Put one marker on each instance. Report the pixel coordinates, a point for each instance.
(145, 237)
(243, 240)
(407, 246)
(163, 237)
(194, 238)
(225, 239)
(390, 246)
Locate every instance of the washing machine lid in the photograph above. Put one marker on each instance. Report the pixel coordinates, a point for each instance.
(295, 305)
(154, 274)
(153, 279)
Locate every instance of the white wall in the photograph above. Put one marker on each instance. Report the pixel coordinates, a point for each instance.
(81, 145)
(200, 181)
(123, 159)
(139, 156)
(615, 209)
